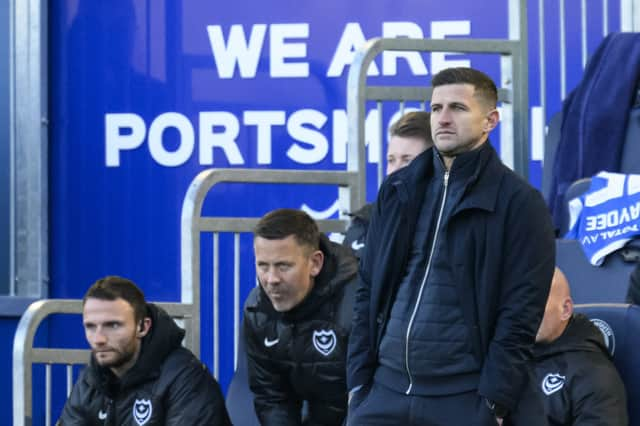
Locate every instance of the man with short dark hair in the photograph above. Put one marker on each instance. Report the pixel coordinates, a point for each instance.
(139, 373)
(577, 380)
(409, 136)
(454, 279)
(297, 322)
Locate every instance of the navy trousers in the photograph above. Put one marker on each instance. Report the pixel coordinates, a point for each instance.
(378, 405)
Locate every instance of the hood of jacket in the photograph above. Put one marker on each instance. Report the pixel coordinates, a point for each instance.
(581, 335)
(163, 338)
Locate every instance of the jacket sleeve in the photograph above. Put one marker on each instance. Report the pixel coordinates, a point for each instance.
(74, 411)
(598, 396)
(275, 402)
(526, 266)
(195, 398)
(361, 355)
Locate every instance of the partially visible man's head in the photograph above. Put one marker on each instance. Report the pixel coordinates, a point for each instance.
(558, 310)
(484, 89)
(288, 256)
(408, 138)
(114, 315)
(463, 111)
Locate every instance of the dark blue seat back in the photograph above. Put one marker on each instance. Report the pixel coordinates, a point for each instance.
(620, 324)
(239, 396)
(630, 161)
(607, 283)
(576, 189)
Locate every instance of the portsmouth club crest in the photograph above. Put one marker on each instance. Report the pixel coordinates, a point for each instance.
(552, 383)
(607, 334)
(324, 341)
(142, 410)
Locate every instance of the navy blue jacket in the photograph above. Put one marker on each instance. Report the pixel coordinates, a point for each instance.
(502, 251)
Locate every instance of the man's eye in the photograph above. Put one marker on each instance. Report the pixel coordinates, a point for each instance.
(114, 325)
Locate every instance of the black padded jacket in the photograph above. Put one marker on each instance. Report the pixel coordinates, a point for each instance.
(297, 358)
(168, 385)
(577, 380)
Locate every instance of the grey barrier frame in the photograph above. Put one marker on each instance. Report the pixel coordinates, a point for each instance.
(193, 224)
(25, 355)
(513, 90)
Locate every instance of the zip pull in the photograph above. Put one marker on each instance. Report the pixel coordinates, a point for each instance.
(446, 178)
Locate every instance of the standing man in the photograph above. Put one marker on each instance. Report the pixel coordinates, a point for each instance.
(408, 138)
(297, 322)
(453, 284)
(139, 372)
(576, 378)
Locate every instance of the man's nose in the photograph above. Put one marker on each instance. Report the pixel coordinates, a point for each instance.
(444, 116)
(272, 277)
(98, 337)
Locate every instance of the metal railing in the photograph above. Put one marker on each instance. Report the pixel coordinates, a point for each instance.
(25, 355)
(513, 88)
(194, 224)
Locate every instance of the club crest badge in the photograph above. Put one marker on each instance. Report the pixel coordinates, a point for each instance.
(142, 410)
(552, 383)
(324, 341)
(607, 334)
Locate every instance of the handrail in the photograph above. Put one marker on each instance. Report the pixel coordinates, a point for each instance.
(25, 354)
(192, 223)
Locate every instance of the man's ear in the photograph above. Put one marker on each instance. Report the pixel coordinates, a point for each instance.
(144, 327)
(317, 260)
(567, 309)
(493, 117)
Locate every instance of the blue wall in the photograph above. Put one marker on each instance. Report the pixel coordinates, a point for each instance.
(7, 331)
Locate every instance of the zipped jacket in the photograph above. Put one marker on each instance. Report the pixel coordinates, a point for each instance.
(577, 379)
(500, 242)
(297, 358)
(168, 385)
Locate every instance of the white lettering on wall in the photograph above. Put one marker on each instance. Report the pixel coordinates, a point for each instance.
(236, 50)
(441, 29)
(116, 140)
(225, 139)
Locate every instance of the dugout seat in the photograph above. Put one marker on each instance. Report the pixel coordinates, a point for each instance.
(620, 325)
(608, 283)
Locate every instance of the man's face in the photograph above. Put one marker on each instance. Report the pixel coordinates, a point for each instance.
(459, 121)
(402, 150)
(112, 332)
(286, 270)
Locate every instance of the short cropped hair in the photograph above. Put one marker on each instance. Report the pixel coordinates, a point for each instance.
(485, 88)
(113, 287)
(413, 124)
(281, 223)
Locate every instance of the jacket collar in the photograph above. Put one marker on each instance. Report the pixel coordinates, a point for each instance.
(483, 172)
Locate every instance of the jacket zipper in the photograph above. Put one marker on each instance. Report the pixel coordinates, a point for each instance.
(424, 281)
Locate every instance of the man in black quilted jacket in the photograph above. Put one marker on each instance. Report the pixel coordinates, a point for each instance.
(577, 380)
(297, 322)
(139, 373)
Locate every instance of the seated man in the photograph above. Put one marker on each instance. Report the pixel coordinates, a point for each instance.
(139, 373)
(297, 322)
(408, 138)
(577, 380)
